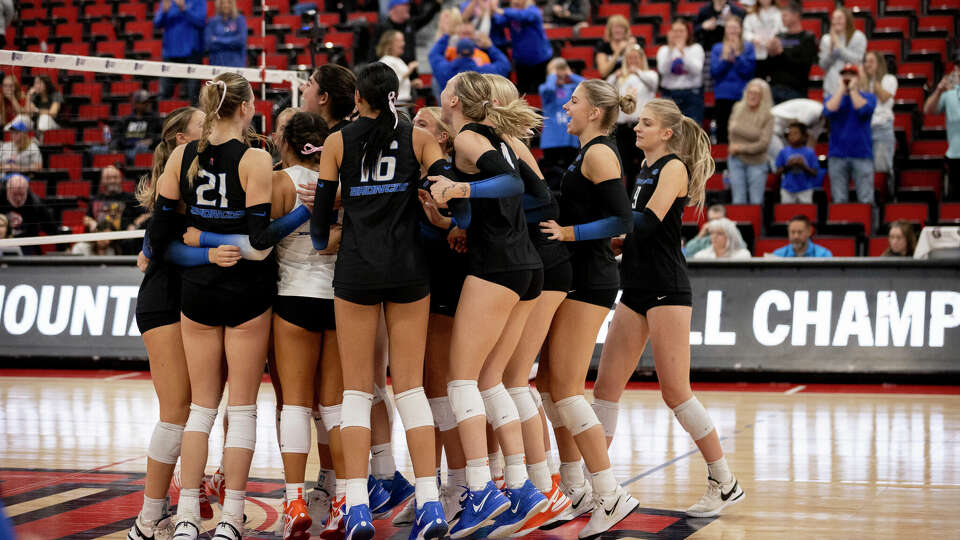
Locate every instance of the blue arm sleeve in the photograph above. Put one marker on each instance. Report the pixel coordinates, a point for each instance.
(183, 255)
(607, 227)
(326, 195)
(461, 212)
(613, 198)
(147, 252)
(278, 229)
(503, 185)
(645, 223)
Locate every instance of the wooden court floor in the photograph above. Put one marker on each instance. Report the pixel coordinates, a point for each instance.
(816, 461)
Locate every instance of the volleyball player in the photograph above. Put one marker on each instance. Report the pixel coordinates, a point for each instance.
(504, 279)
(380, 263)
(593, 209)
(656, 302)
(225, 186)
(158, 318)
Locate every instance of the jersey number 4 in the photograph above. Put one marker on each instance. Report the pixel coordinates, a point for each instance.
(217, 184)
(385, 169)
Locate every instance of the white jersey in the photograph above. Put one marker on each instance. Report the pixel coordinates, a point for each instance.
(302, 270)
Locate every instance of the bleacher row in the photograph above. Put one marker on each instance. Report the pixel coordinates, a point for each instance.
(917, 34)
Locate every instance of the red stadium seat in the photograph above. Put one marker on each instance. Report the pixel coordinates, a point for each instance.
(878, 244)
(782, 213)
(141, 28)
(818, 6)
(890, 47)
(59, 137)
(904, 122)
(39, 188)
(153, 47)
(850, 213)
(583, 54)
(644, 31)
(93, 91)
(93, 112)
(73, 31)
(167, 106)
(369, 16)
(40, 31)
(124, 88)
(104, 160)
(534, 100)
(928, 149)
(929, 46)
(903, 6)
(949, 213)
(73, 163)
(73, 218)
(693, 216)
(767, 245)
(593, 32)
(839, 246)
(77, 49)
(558, 33)
(69, 13)
(605, 11)
(922, 180)
(892, 25)
(93, 135)
(747, 213)
(913, 212)
(814, 25)
(290, 21)
(861, 5)
(143, 160)
(658, 13)
(74, 188)
(915, 70)
(106, 29)
(267, 43)
(115, 49)
(134, 11)
(910, 96)
(689, 10)
(936, 23)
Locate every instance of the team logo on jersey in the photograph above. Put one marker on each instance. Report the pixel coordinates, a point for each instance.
(644, 181)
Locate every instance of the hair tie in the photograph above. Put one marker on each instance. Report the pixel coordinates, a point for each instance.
(485, 103)
(310, 149)
(223, 96)
(392, 103)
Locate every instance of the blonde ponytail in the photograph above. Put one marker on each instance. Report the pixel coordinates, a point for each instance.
(176, 122)
(690, 143)
(220, 98)
(516, 119)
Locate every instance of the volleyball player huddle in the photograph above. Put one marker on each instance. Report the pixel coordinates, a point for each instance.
(439, 243)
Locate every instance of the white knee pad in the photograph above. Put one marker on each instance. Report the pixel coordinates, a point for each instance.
(242, 427)
(499, 406)
(295, 430)
(694, 418)
(465, 400)
(576, 414)
(443, 416)
(331, 416)
(523, 400)
(607, 412)
(550, 409)
(380, 394)
(355, 411)
(323, 436)
(414, 408)
(201, 419)
(535, 395)
(165, 443)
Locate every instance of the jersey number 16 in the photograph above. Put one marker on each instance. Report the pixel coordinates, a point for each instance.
(385, 169)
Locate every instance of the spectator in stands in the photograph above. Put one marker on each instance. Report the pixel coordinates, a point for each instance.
(633, 77)
(444, 70)
(843, 45)
(616, 40)
(732, 64)
(478, 13)
(808, 112)
(851, 148)
(791, 54)
(113, 204)
(26, 213)
(21, 152)
(946, 100)
(761, 26)
(531, 48)
(559, 147)
(800, 230)
(680, 63)
(399, 18)
(751, 128)
(725, 242)
(135, 134)
(568, 12)
(7, 15)
(13, 104)
(708, 26)
(464, 30)
(182, 22)
(798, 167)
(98, 247)
(388, 51)
(44, 102)
(702, 239)
(883, 85)
(902, 238)
(226, 36)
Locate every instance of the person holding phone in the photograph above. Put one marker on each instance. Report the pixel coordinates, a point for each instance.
(850, 153)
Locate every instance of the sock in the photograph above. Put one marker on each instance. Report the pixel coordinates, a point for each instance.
(326, 480)
(189, 504)
(340, 489)
(603, 482)
(515, 473)
(294, 491)
(457, 477)
(571, 473)
(540, 476)
(357, 492)
(382, 464)
(478, 474)
(427, 490)
(719, 471)
(496, 467)
(553, 462)
(233, 506)
(152, 509)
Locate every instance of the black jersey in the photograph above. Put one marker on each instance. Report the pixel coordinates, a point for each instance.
(552, 252)
(656, 263)
(594, 265)
(216, 202)
(380, 247)
(160, 288)
(497, 239)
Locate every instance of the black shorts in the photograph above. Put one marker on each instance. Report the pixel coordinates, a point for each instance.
(156, 319)
(558, 278)
(214, 307)
(313, 314)
(642, 301)
(598, 297)
(395, 295)
(526, 283)
(446, 283)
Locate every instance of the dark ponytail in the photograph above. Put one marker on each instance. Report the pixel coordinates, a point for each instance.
(305, 133)
(377, 84)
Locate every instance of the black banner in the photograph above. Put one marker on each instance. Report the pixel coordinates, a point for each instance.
(839, 315)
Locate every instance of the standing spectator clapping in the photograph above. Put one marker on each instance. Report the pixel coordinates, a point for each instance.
(761, 26)
(708, 26)
(946, 99)
(791, 54)
(843, 45)
(183, 22)
(531, 48)
(559, 147)
(883, 85)
(732, 65)
(226, 36)
(850, 153)
(44, 102)
(444, 70)
(635, 78)
(390, 50)
(751, 128)
(680, 63)
(616, 40)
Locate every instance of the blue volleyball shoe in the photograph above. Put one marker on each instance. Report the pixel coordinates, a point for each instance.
(479, 507)
(429, 523)
(377, 494)
(359, 523)
(400, 491)
(525, 502)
